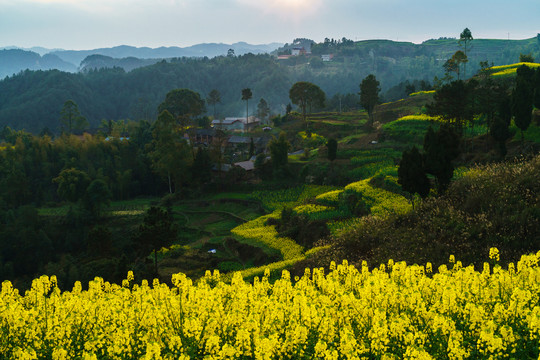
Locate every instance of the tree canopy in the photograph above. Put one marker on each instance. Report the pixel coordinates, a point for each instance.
(183, 104)
(213, 98)
(369, 94)
(304, 94)
(71, 118)
(411, 173)
(246, 95)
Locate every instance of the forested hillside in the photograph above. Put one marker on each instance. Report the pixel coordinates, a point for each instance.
(32, 100)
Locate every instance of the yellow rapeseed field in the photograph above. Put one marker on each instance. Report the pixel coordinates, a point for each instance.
(395, 311)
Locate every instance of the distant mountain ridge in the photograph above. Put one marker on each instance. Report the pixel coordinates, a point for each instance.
(14, 59)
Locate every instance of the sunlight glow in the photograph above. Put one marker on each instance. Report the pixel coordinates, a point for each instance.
(288, 9)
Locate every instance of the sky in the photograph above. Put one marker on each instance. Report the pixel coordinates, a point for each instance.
(91, 24)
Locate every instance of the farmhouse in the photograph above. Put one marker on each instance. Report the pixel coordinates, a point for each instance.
(239, 124)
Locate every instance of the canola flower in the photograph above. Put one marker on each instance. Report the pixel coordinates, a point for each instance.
(420, 117)
(422, 92)
(510, 69)
(395, 311)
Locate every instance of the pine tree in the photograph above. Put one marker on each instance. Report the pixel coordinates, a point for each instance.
(412, 175)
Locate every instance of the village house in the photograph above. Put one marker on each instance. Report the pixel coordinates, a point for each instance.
(237, 124)
(204, 136)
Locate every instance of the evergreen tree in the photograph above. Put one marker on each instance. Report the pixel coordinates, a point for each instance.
(411, 174)
(522, 98)
(71, 118)
(440, 149)
(465, 38)
(332, 149)
(279, 149)
(499, 126)
(213, 98)
(452, 102)
(263, 110)
(246, 95)
(369, 95)
(536, 92)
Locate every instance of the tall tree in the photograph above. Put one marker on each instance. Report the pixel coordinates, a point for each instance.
(499, 126)
(465, 38)
(263, 110)
(412, 175)
(369, 95)
(522, 105)
(451, 101)
(332, 145)
(246, 95)
(279, 149)
(304, 94)
(170, 153)
(97, 196)
(454, 63)
(184, 105)
(213, 98)
(71, 118)
(536, 91)
(440, 149)
(72, 184)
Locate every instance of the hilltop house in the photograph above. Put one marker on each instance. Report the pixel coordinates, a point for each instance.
(297, 51)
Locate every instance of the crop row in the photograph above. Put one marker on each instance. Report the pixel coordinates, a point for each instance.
(381, 201)
(256, 232)
(279, 199)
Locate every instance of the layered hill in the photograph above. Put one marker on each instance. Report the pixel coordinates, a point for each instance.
(14, 60)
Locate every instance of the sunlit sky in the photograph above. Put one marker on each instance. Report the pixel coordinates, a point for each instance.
(90, 24)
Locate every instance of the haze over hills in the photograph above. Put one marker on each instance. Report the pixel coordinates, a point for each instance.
(128, 87)
(14, 59)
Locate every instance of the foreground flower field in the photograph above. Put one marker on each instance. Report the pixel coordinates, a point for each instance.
(396, 311)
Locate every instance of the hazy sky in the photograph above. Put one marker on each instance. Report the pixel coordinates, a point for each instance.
(89, 24)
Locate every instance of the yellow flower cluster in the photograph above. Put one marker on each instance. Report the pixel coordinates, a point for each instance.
(395, 311)
(510, 69)
(422, 92)
(420, 117)
(516, 65)
(310, 208)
